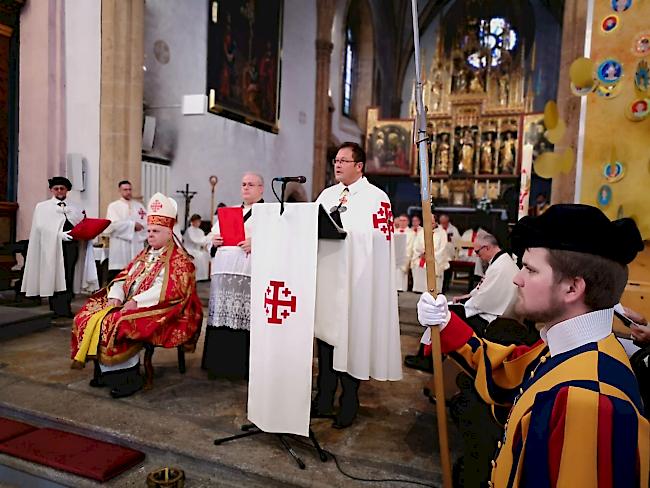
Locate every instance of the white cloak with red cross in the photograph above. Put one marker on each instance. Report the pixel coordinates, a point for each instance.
(356, 306)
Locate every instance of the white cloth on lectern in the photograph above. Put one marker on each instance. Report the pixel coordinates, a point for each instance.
(125, 242)
(279, 386)
(366, 325)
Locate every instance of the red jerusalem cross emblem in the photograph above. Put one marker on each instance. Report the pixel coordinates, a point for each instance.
(142, 213)
(155, 205)
(279, 302)
(383, 220)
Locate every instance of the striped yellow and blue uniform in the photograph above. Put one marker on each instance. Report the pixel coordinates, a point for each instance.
(576, 418)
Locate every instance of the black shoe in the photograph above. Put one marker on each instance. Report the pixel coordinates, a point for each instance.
(321, 413)
(97, 383)
(133, 385)
(418, 362)
(341, 424)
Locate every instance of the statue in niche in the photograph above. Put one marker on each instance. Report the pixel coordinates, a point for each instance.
(493, 191)
(435, 189)
(444, 190)
(460, 80)
(442, 155)
(475, 84)
(503, 89)
(508, 154)
(466, 152)
(487, 154)
(480, 190)
(435, 93)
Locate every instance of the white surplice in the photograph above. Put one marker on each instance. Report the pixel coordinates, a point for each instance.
(125, 241)
(44, 272)
(196, 243)
(362, 320)
(442, 256)
(402, 257)
(496, 291)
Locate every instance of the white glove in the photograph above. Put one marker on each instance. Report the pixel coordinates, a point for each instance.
(433, 312)
(65, 236)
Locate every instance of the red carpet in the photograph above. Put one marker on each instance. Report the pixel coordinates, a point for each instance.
(73, 453)
(12, 428)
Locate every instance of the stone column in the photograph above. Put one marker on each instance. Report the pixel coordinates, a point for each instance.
(322, 120)
(573, 42)
(121, 97)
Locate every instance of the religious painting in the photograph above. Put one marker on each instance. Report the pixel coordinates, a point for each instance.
(390, 148)
(243, 80)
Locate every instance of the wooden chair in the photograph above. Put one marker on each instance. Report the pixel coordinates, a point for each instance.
(148, 366)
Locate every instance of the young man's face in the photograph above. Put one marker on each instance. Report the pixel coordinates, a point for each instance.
(538, 294)
(59, 192)
(126, 191)
(415, 222)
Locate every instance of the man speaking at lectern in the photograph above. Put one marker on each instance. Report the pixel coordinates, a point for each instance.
(368, 343)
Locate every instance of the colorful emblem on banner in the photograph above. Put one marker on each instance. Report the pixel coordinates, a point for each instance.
(638, 109)
(621, 5)
(609, 24)
(609, 71)
(279, 302)
(642, 77)
(604, 195)
(383, 220)
(641, 45)
(613, 172)
(608, 90)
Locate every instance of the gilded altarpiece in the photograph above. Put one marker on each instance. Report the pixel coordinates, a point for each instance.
(475, 122)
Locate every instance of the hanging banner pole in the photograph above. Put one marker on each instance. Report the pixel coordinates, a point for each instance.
(427, 220)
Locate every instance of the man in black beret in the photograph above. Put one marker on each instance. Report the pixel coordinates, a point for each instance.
(52, 253)
(577, 415)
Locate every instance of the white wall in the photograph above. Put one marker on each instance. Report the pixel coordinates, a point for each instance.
(82, 92)
(202, 145)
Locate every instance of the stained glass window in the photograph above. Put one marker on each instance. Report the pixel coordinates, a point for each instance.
(348, 67)
(495, 36)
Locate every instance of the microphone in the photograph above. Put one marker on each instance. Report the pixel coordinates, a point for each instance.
(287, 179)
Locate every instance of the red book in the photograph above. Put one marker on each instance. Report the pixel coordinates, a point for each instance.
(231, 225)
(88, 229)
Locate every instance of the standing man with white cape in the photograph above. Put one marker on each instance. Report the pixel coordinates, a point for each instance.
(127, 230)
(56, 264)
(368, 337)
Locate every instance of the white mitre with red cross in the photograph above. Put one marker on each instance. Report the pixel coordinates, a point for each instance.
(162, 210)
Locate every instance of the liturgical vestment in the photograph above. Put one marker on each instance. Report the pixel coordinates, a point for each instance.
(368, 336)
(577, 416)
(44, 271)
(125, 241)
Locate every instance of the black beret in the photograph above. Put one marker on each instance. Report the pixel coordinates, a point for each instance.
(60, 180)
(579, 228)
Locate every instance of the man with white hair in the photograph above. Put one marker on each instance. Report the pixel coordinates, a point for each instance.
(153, 300)
(487, 301)
(227, 335)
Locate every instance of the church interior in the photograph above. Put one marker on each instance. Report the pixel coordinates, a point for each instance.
(527, 103)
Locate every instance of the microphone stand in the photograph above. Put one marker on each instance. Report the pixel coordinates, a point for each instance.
(284, 187)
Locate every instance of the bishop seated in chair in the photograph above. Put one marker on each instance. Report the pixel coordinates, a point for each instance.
(152, 301)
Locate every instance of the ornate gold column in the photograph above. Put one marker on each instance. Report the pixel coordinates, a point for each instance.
(121, 97)
(573, 42)
(322, 120)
